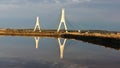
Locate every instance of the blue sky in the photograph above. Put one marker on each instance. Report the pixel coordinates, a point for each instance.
(88, 14)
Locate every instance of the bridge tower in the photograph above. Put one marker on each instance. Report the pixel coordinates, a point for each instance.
(62, 21)
(61, 46)
(36, 42)
(37, 26)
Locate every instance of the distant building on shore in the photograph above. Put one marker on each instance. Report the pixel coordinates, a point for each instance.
(118, 33)
(2, 29)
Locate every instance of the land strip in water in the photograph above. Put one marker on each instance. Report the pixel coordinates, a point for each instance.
(111, 42)
(101, 37)
(54, 33)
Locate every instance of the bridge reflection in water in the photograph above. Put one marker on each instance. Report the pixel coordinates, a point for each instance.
(36, 41)
(62, 42)
(61, 45)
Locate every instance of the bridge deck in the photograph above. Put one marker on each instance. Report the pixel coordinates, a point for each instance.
(54, 33)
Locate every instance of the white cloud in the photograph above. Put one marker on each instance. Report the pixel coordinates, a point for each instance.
(76, 1)
(41, 1)
(57, 1)
(80, 1)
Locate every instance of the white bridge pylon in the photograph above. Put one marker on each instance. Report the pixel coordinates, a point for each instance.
(61, 46)
(36, 42)
(62, 21)
(37, 25)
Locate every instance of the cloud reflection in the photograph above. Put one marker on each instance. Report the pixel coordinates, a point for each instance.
(20, 63)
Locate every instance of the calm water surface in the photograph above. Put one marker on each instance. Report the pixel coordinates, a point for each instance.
(23, 52)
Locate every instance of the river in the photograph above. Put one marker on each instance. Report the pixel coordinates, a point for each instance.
(23, 52)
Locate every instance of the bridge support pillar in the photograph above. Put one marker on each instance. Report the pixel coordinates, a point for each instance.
(37, 26)
(62, 21)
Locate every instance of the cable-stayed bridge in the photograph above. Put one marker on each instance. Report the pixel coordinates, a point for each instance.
(37, 31)
(59, 32)
(62, 22)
